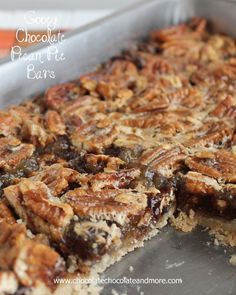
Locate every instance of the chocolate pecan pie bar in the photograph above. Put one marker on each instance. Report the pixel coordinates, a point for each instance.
(92, 168)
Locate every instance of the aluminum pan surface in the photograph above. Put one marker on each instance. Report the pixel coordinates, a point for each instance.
(204, 268)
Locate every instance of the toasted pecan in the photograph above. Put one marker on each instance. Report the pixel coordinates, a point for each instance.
(115, 205)
(33, 263)
(42, 212)
(13, 152)
(95, 136)
(56, 96)
(220, 165)
(6, 214)
(226, 108)
(57, 178)
(118, 179)
(55, 123)
(196, 183)
(165, 161)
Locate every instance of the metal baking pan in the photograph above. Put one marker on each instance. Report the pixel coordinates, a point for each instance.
(203, 267)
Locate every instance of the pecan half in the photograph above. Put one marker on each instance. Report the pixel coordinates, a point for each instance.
(164, 161)
(13, 152)
(32, 198)
(220, 165)
(55, 123)
(95, 136)
(119, 179)
(57, 178)
(114, 205)
(196, 183)
(210, 134)
(226, 108)
(57, 95)
(8, 124)
(151, 100)
(33, 263)
(82, 110)
(6, 213)
(106, 162)
(35, 133)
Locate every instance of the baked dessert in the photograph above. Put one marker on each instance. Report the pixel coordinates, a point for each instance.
(93, 167)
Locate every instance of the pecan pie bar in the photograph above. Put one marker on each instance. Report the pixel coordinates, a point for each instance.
(92, 168)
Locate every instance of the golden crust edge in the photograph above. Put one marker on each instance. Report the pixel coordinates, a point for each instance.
(223, 230)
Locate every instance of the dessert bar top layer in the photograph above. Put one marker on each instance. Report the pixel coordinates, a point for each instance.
(96, 160)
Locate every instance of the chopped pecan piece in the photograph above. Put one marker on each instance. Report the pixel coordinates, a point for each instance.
(106, 162)
(121, 68)
(153, 65)
(224, 45)
(107, 90)
(144, 121)
(128, 146)
(114, 84)
(43, 264)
